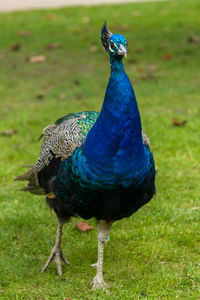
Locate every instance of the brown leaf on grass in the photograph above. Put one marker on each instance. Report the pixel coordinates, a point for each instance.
(167, 56)
(193, 39)
(8, 132)
(77, 82)
(93, 48)
(67, 299)
(85, 39)
(50, 16)
(63, 96)
(40, 96)
(25, 33)
(37, 59)
(137, 13)
(133, 61)
(15, 47)
(152, 68)
(139, 50)
(84, 226)
(53, 46)
(146, 76)
(121, 28)
(177, 122)
(77, 29)
(85, 19)
(79, 96)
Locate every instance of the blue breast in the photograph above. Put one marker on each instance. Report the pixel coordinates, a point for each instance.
(113, 150)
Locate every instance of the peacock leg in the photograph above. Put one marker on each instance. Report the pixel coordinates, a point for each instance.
(56, 253)
(103, 236)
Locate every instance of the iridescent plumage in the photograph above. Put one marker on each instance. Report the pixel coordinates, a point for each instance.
(97, 165)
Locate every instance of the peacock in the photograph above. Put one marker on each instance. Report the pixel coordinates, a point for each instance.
(96, 164)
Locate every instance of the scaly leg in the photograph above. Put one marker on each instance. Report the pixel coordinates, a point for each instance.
(56, 253)
(103, 236)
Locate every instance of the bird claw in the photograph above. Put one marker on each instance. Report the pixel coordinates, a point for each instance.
(94, 265)
(99, 283)
(57, 256)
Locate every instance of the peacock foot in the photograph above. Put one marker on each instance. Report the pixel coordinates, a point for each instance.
(98, 283)
(58, 257)
(94, 265)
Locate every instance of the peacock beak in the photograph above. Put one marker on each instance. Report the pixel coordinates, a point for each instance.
(122, 50)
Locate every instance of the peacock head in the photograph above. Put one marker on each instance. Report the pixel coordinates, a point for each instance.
(115, 44)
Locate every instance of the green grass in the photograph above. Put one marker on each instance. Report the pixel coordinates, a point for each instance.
(155, 253)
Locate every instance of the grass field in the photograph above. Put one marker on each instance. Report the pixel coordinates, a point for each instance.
(155, 254)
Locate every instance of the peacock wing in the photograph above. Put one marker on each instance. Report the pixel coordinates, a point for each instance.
(59, 141)
(63, 137)
(146, 140)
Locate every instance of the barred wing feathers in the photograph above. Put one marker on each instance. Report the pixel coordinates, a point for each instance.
(60, 140)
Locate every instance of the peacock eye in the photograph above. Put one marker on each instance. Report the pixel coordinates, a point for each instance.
(112, 46)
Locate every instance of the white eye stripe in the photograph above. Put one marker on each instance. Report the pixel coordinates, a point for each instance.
(110, 48)
(114, 46)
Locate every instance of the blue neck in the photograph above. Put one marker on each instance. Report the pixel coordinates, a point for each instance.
(117, 66)
(113, 148)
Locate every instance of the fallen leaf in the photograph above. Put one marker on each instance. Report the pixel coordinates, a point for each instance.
(40, 96)
(137, 13)
(77, 82)
(79, 96)
(139, 50)
(167, 56)
(85, 19)
(8, 132)
(25, 33)
(67, 299)
(77, 29)
(50, 16)
(193, 39)
(120, 28)
(146, 76)
(63, 96)
(85, 39)
(133, 61)
(15, 47)
(37, 59)
(152, 68)
(176, 122)
(52, 46)
(84, 226)
(93, 49)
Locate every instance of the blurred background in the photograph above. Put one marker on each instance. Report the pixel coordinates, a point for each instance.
(52, 63)
(30, 4)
